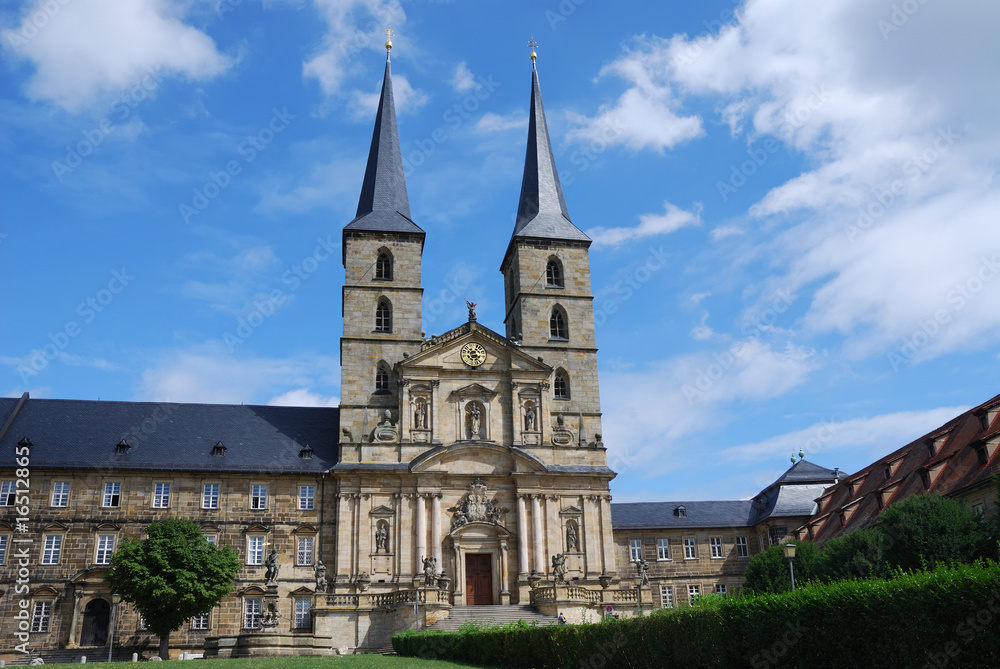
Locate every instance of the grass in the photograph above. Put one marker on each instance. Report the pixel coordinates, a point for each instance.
(368, 661)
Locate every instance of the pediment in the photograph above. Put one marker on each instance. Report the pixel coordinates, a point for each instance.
(474, 390)
(44, 591)
(56, 527)
(480, 531)
(256, 528)
(476, 458)
(301, 591)
(382, 510)
(305, 529)
(446, 353)
(106, 527)
(571, 511)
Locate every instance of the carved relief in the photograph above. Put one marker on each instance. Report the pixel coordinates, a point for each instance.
(475, 507)
(385, 431)
(561, 436)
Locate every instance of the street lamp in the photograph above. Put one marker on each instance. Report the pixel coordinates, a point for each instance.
(638, 588)
(115, 598)
(416, 598)
(790, 554)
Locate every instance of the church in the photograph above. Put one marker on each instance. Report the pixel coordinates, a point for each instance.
(465, 469)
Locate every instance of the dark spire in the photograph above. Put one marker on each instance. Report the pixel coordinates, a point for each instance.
(541, 211)
(384, 206)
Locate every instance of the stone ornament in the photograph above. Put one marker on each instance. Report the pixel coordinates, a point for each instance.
(386, 430)
(430, 570)
(559, 566)
(382, 538)
(572, 540)
(271, 573)
(320, 571)
(475, 507)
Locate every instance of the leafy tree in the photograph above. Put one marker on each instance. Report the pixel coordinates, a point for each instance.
(924, 530)
(768, 571)
(172, 575)
(857, 554)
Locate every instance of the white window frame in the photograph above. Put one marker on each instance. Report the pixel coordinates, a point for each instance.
(103, 553)
(252, 609)
(41, 616)
(212, 539)
(258, 496)
(667, 596)
(634, 550)
(694, 592)
(721, 589)
(4, 542)
(210, 496)
(8, 493)
(142, 622)
(717, 550)
(302, 615)
(663, 549)
(255, 552)
(690, 549)
(161, 495)
(304, 551)
(112, 493)
(51, 549)
(200, 623)
(307, 497)
(742, 547)
(60, 494)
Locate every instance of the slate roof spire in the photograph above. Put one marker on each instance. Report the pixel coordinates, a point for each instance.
(541, 209)
(384, 205)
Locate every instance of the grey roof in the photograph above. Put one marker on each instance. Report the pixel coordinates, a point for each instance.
(384, 205)
(787, 500)
(662, 515)
(807, 472)
(169, 436)
(541, 209)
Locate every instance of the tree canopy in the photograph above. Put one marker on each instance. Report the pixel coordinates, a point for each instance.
(172, 575)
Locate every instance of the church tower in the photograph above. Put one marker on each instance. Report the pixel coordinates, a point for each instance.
(382, 250)
(549, 306)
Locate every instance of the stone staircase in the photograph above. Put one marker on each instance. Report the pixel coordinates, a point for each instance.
(490, 615)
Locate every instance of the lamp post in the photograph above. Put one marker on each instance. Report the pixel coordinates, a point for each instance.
(115, 598)
(790, 554)
(638, 588)
(416, 598)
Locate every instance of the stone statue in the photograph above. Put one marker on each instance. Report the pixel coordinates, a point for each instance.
(430, 570)
(643, 570)
(472, 311)
(475, 421)
(381, 539)
(558, 566)
(571, 538)
(271, 574)
(420, 415)
(529, 419)
(320, 570)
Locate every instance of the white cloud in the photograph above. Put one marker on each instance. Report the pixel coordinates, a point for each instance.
(672, 219)
(303, 397)
(353, 26)
(229, 283)
(407, 100)
(90, 50)
(463, 79)
(723, 231)
(490, 122)
(870, 437)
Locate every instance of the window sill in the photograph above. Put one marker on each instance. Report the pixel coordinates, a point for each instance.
(559, 339)
(664, 559)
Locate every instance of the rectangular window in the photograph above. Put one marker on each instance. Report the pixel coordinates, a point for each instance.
(255, 550)
(635, 550)
(8, 493)
(663, 549)
(307, 497)
(200, 623)
(690, 549)
(304, 555)
(51, 549)
(210, 496)
(112, 495)
(667, 596)
(142, 622)
(303, 613)
(258, 497)
(40, 616)
(60, 493)
(105, 547)
(251, 614)
(694, 591)
(212, 539)
(161, 496)
(720, 589)
(716, 544)
(742, 548)
(3, 547)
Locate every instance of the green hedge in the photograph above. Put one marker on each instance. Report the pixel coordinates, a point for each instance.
(949, 617)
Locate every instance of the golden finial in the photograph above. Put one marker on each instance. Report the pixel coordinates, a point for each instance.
(532, 44)
(388, 40)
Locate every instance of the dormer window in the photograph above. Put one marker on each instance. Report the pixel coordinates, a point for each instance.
(681, 511)
(981, 453)
(887, 472)
(383, 265)
(306, 453)
(122, 448)
(554, 274)
(219, 449)
(25, 443)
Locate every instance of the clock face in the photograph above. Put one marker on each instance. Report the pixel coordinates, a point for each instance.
(473, 354)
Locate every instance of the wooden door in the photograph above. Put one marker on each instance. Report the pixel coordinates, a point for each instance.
(478, 579)
(96, 617)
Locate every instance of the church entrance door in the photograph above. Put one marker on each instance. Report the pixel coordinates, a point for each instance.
(478, 579)
(96, 617)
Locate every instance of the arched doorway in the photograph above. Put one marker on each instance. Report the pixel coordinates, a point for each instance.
(96, 617)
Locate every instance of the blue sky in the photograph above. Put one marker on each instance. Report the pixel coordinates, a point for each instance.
(793, 206)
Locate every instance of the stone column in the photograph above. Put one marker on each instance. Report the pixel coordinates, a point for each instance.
(522, 537)
(504, 589)
(590, 533)
(553, 535)
(537, 537)
(421, 533)
(74, 630)
(459, 577)
(436, 530)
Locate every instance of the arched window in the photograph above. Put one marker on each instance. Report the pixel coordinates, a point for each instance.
(560, 386)
(381, 379)
(554, 274)
(558, 328)
(383, 316)
(383, 266)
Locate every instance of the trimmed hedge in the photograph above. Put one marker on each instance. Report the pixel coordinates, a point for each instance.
(949, 617)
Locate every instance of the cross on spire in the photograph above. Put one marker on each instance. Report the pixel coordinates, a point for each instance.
(532, 44)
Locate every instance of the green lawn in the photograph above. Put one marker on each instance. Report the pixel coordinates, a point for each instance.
(369, 661)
